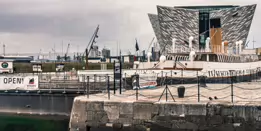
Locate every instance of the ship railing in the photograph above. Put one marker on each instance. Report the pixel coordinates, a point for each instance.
(156, 65)
(180, 64)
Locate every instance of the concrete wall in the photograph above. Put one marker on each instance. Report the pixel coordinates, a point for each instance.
(194, 116)
(58, 105)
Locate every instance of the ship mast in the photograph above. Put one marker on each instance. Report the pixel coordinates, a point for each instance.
(253, 42)
(4, 49)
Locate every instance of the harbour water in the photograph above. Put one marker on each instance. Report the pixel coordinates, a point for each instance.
(23, 123)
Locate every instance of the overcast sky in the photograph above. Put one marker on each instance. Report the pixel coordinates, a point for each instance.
(31, 25)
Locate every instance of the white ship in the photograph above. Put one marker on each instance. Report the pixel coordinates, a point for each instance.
(218, 62)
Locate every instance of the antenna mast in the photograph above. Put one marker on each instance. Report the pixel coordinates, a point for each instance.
(253, 42)
(4, 49)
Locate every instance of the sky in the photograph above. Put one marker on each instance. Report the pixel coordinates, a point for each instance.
(28, 26)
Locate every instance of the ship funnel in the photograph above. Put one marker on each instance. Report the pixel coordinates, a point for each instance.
(207, 44)
(173, 45)
(190, 43)
(216, 35)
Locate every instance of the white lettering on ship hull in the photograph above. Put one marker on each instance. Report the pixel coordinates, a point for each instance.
(215, 73)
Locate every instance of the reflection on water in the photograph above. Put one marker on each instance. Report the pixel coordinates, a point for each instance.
(22, 123)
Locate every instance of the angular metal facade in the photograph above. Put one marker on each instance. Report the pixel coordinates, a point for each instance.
(182, 23)
(235, 22)
(156, 27)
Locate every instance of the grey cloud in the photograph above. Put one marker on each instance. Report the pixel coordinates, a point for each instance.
(75, 21)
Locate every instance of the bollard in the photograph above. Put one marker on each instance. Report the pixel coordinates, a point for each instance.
(181, 91)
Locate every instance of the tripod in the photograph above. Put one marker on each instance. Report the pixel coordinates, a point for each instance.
(166, 90)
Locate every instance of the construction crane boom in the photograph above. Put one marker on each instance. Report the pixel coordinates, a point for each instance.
(66, 53)
(151, 43)
(92, 40)
(90, 45)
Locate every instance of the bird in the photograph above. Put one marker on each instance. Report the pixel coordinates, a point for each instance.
(210, 98)
(215, 98)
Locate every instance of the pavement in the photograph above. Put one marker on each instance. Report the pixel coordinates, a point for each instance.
(243, 93)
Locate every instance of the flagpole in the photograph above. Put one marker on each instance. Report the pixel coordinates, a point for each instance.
(137, 49)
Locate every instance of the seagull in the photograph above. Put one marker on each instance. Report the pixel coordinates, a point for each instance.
(210, 98)
(215, 98)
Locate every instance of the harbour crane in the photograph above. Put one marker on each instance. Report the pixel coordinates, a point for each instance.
(87, 50)
(150, 44)
(66, 57)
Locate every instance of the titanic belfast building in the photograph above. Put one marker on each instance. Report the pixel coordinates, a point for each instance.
(182, 22)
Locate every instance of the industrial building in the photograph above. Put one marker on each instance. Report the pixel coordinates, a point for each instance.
(182, 22)
(106, 53)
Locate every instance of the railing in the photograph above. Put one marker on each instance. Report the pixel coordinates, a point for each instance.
(229, 89)
(180, 64)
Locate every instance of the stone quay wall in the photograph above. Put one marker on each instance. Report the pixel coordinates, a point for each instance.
(87, 113)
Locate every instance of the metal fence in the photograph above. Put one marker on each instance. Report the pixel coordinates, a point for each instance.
(229, 89)
(196, 88)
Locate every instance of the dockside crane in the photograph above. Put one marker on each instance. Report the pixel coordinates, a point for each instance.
(66, 57)
(90, 46)
(150, 44)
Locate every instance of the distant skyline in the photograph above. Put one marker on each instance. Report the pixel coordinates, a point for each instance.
(30, 25)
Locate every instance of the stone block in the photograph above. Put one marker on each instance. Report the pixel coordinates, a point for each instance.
(126, 108)
(195, 109)
(90, 115)
(94, 106)
(137, 122)
(112, 110)
(99, 115)
(125, 120)
(215, 120)
(174, 109)
(155, 108)
(142, 111)
(197, 119)
(78, 114)
(183, 125)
